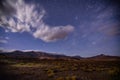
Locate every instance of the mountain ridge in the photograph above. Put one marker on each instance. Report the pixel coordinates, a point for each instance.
(44, 55)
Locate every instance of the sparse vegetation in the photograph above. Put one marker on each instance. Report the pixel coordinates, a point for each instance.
(50, 73)
(56, 69)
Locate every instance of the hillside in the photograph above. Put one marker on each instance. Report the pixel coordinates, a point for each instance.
(36, 54)
(44, 55)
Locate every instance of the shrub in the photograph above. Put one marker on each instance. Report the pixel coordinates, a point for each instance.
(60, 78)
(73, 78)
(114, 74)
(50, 73)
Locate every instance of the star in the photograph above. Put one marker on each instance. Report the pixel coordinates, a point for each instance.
(76, 17)
(93, 43)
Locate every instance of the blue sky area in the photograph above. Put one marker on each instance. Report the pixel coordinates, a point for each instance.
(70, 27)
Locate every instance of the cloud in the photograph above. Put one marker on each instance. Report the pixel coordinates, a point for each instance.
(29, 18)
(114, 32)
(3, 41)
(104, 21)
(6, 7)
(7, 38)
(26, 16)
(6, 50)
(52, 34)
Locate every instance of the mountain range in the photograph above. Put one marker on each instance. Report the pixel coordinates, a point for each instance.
(44, 55)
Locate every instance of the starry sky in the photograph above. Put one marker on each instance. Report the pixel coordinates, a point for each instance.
(70, 27)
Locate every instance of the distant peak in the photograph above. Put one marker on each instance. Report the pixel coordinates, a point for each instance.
(17, 51)
(102, 55)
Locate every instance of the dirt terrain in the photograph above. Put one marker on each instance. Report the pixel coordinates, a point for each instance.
(58, 69)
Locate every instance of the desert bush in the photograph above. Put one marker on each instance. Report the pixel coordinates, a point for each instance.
(60, 78)
(73, 78)
(115, 74)
(74, 68)
(50, 73)
(67, 78)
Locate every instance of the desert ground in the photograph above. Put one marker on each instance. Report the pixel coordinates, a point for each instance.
(58, 69)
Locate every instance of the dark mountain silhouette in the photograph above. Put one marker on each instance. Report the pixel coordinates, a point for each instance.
(36, 54)
(44, 55)
(103, 56)
(77, 57)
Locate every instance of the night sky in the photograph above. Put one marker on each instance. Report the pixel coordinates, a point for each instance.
(70, 27)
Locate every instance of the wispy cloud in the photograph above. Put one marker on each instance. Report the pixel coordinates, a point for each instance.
(104, 22)
(6, 7)
(3, 41)
(7, 38)
(29, 18)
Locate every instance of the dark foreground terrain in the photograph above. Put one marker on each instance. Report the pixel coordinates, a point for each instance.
(59, 69)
